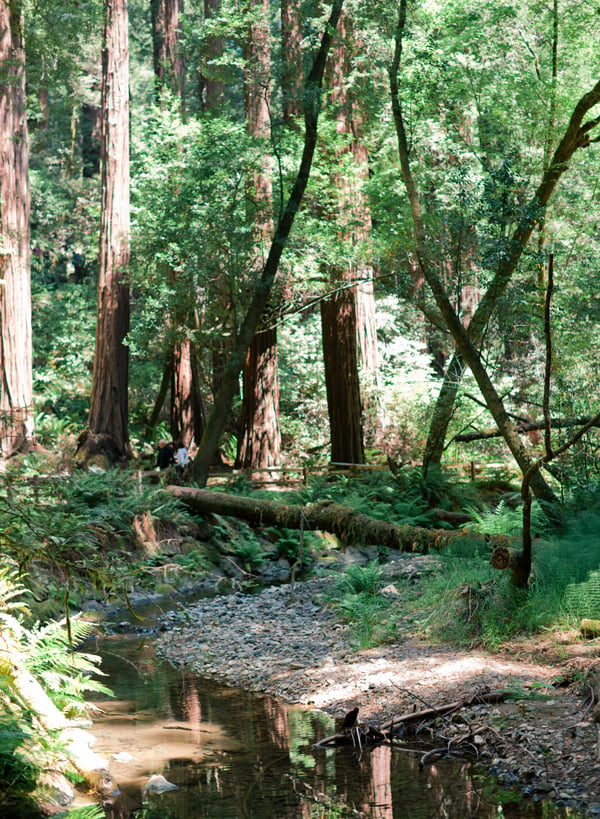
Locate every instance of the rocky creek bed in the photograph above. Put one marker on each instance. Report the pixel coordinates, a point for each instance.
(287, 641)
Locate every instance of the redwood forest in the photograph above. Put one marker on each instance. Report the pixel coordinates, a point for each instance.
(294, 290)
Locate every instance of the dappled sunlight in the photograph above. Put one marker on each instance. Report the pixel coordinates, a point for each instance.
(433, 674)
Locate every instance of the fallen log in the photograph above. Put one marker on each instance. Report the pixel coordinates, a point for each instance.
(347, 524)
(441, 710)
(505, 559)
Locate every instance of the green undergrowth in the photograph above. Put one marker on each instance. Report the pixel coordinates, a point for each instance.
(78, 535)
(406, 498)
(43, 653)
(462, 600)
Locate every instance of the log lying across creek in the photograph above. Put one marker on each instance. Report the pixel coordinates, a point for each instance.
(347, 524)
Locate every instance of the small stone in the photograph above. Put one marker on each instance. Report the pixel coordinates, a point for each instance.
(158, 784)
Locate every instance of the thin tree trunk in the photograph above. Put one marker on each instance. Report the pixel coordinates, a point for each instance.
(165, 383)
(216, 421)
(108, 421)
(576, 136)
(16, 410)
(91, 139)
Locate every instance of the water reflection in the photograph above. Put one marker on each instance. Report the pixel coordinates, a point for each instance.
(232, 755)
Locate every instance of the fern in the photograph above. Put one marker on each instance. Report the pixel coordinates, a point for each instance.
(583, 599)
(47, 652)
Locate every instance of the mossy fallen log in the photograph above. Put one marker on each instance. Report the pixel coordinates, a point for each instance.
(350, 526)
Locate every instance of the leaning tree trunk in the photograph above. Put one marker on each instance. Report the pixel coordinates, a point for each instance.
(575, 137)
(16, 411)
(107, 426)
(460, 334)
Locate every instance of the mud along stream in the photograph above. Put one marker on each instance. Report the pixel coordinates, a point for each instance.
(229, 754)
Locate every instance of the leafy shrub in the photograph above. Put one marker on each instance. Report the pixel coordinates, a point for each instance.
(26, 747)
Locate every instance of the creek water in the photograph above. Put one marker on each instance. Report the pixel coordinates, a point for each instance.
(232, 755)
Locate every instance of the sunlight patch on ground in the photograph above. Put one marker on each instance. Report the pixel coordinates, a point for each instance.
(347, 682)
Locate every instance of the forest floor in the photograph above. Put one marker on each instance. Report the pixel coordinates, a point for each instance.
(542, 739)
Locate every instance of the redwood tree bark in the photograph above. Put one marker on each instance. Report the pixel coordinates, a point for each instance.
(292, 85)
(259, 442)
(107, 426)
(16, 411)
(212, 89)
(187, 413)
(169, 66)
(337, 314)
(340, 353)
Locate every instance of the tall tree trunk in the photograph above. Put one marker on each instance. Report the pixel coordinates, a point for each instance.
(260, 438)
(169, 66)
(340, 353)
(16, 410)
(211, 88)
(108, 431)
(216, 421)
(355, 230)
(187, 417)
(259, 442)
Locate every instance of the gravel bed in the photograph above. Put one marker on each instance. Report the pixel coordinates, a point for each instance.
(285, 641)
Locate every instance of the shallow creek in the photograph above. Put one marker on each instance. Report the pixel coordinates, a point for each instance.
(233, 755)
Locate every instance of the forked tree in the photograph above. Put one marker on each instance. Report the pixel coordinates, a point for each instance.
(467, 340)
(16, 411)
